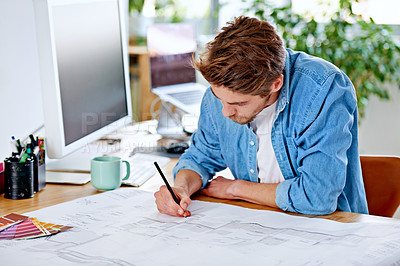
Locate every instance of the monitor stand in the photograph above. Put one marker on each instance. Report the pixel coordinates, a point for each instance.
(68, 170)
(169, 122)
(69, 165)
(79, 161)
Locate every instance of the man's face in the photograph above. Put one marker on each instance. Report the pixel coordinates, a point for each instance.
(241, 108)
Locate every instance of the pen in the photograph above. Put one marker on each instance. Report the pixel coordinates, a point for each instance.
(14, 145)
(166, 183)
(17, 144)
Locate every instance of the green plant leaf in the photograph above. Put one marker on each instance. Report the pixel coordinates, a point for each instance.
(364, 50)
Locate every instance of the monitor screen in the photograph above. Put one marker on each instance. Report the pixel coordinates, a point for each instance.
(83, 63)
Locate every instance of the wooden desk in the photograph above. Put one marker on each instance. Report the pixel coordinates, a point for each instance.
(54, 194)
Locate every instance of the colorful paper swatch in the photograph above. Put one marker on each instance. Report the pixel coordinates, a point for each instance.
(10, 220)
(16, 226)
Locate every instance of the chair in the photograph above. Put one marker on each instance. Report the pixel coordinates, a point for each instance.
(381, 176)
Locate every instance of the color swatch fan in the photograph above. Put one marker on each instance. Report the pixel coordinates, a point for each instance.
(16, 226)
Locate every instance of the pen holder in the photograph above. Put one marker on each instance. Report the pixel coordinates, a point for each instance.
(18, 179)
(39, 171)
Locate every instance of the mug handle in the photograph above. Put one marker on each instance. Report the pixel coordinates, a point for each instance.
(128, 170)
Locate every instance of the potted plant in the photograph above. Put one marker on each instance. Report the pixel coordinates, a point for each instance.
(139, 22)
(365, 51)
(136, 6)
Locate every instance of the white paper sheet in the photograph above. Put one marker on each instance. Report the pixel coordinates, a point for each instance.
(123, 227)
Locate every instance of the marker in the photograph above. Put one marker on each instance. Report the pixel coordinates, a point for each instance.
(33, 141)
(23, 157)
(166, 183)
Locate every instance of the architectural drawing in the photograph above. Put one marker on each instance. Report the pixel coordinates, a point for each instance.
(123, 227)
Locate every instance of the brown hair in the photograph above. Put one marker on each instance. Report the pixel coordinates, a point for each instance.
(246, 57)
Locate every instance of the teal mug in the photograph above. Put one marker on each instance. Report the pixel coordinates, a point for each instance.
(105, 172)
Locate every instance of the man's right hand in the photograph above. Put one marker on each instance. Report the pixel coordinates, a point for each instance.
(166, 204)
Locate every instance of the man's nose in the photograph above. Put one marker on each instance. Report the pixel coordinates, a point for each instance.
(227, 110)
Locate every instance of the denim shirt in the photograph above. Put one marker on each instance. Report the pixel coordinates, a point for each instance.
(314, 136)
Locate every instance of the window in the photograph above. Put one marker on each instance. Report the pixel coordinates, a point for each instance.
(381, 11)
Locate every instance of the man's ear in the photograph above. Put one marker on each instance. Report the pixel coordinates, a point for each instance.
(277, 84)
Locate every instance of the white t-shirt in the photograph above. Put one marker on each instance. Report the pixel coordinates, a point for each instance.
(267, 165)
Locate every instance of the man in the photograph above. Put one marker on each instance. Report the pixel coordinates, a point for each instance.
(284, 122)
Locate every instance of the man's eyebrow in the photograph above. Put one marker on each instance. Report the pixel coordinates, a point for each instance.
(237, 103)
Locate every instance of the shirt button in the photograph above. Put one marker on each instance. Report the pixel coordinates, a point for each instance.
(252, 171)
(252, 143)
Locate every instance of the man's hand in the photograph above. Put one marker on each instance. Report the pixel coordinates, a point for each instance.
(166, 204)
(186, 183)
(220, 187)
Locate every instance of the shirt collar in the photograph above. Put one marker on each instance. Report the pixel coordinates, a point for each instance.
(283, 98)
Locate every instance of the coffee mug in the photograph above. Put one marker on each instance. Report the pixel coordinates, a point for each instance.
(105, 172)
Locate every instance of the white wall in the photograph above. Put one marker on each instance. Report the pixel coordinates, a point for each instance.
(380, 129)
(20, 97)
(20, 93)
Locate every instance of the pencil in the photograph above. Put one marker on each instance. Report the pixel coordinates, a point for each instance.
(166, 183)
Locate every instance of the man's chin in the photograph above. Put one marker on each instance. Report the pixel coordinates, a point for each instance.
(241, 120)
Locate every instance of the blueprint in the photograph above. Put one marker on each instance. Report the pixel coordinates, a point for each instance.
(123, 227)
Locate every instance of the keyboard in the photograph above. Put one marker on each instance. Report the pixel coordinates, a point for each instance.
(142, 168)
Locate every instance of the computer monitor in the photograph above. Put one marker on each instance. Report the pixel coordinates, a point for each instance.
(84, 71)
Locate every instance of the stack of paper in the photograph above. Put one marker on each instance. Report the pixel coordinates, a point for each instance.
(16, 226)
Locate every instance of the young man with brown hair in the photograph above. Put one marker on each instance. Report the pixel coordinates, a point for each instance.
(284, 122)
